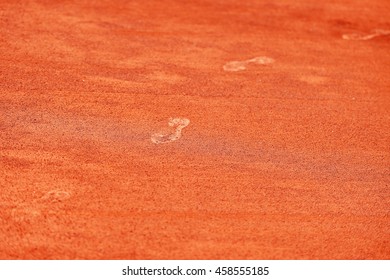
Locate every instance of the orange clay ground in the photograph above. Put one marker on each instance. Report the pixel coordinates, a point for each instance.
(286, 154)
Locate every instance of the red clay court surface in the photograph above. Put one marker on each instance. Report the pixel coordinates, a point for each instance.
(286, 156)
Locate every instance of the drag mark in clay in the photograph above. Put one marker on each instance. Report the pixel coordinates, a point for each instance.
(233, 66)
(360, 37)
(177, 124)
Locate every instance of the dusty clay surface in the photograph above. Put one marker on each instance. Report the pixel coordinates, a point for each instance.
(194, 129)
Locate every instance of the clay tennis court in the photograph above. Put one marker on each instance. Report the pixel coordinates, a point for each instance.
(195, 129)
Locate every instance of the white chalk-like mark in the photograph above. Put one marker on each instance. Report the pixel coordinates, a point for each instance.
(178, 124)
(55, 196)
(233, 66)
(361, 37)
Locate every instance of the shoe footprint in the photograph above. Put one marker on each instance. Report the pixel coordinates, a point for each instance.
(55, 196)
(31, 212)
(233, 66)
(177, 124)
(358, 37)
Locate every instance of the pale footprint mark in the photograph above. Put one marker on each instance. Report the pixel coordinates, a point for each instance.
(178, 124)
(261, 60)
(30, 213)
(358, 37)
(233, 66)
(55, 196)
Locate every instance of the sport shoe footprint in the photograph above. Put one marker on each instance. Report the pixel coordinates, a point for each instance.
(30, 212)
(233, 66)
(178, 124)
(358, 37)
(55, 196)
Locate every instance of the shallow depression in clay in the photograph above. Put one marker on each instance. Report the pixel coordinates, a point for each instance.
(178, 124)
